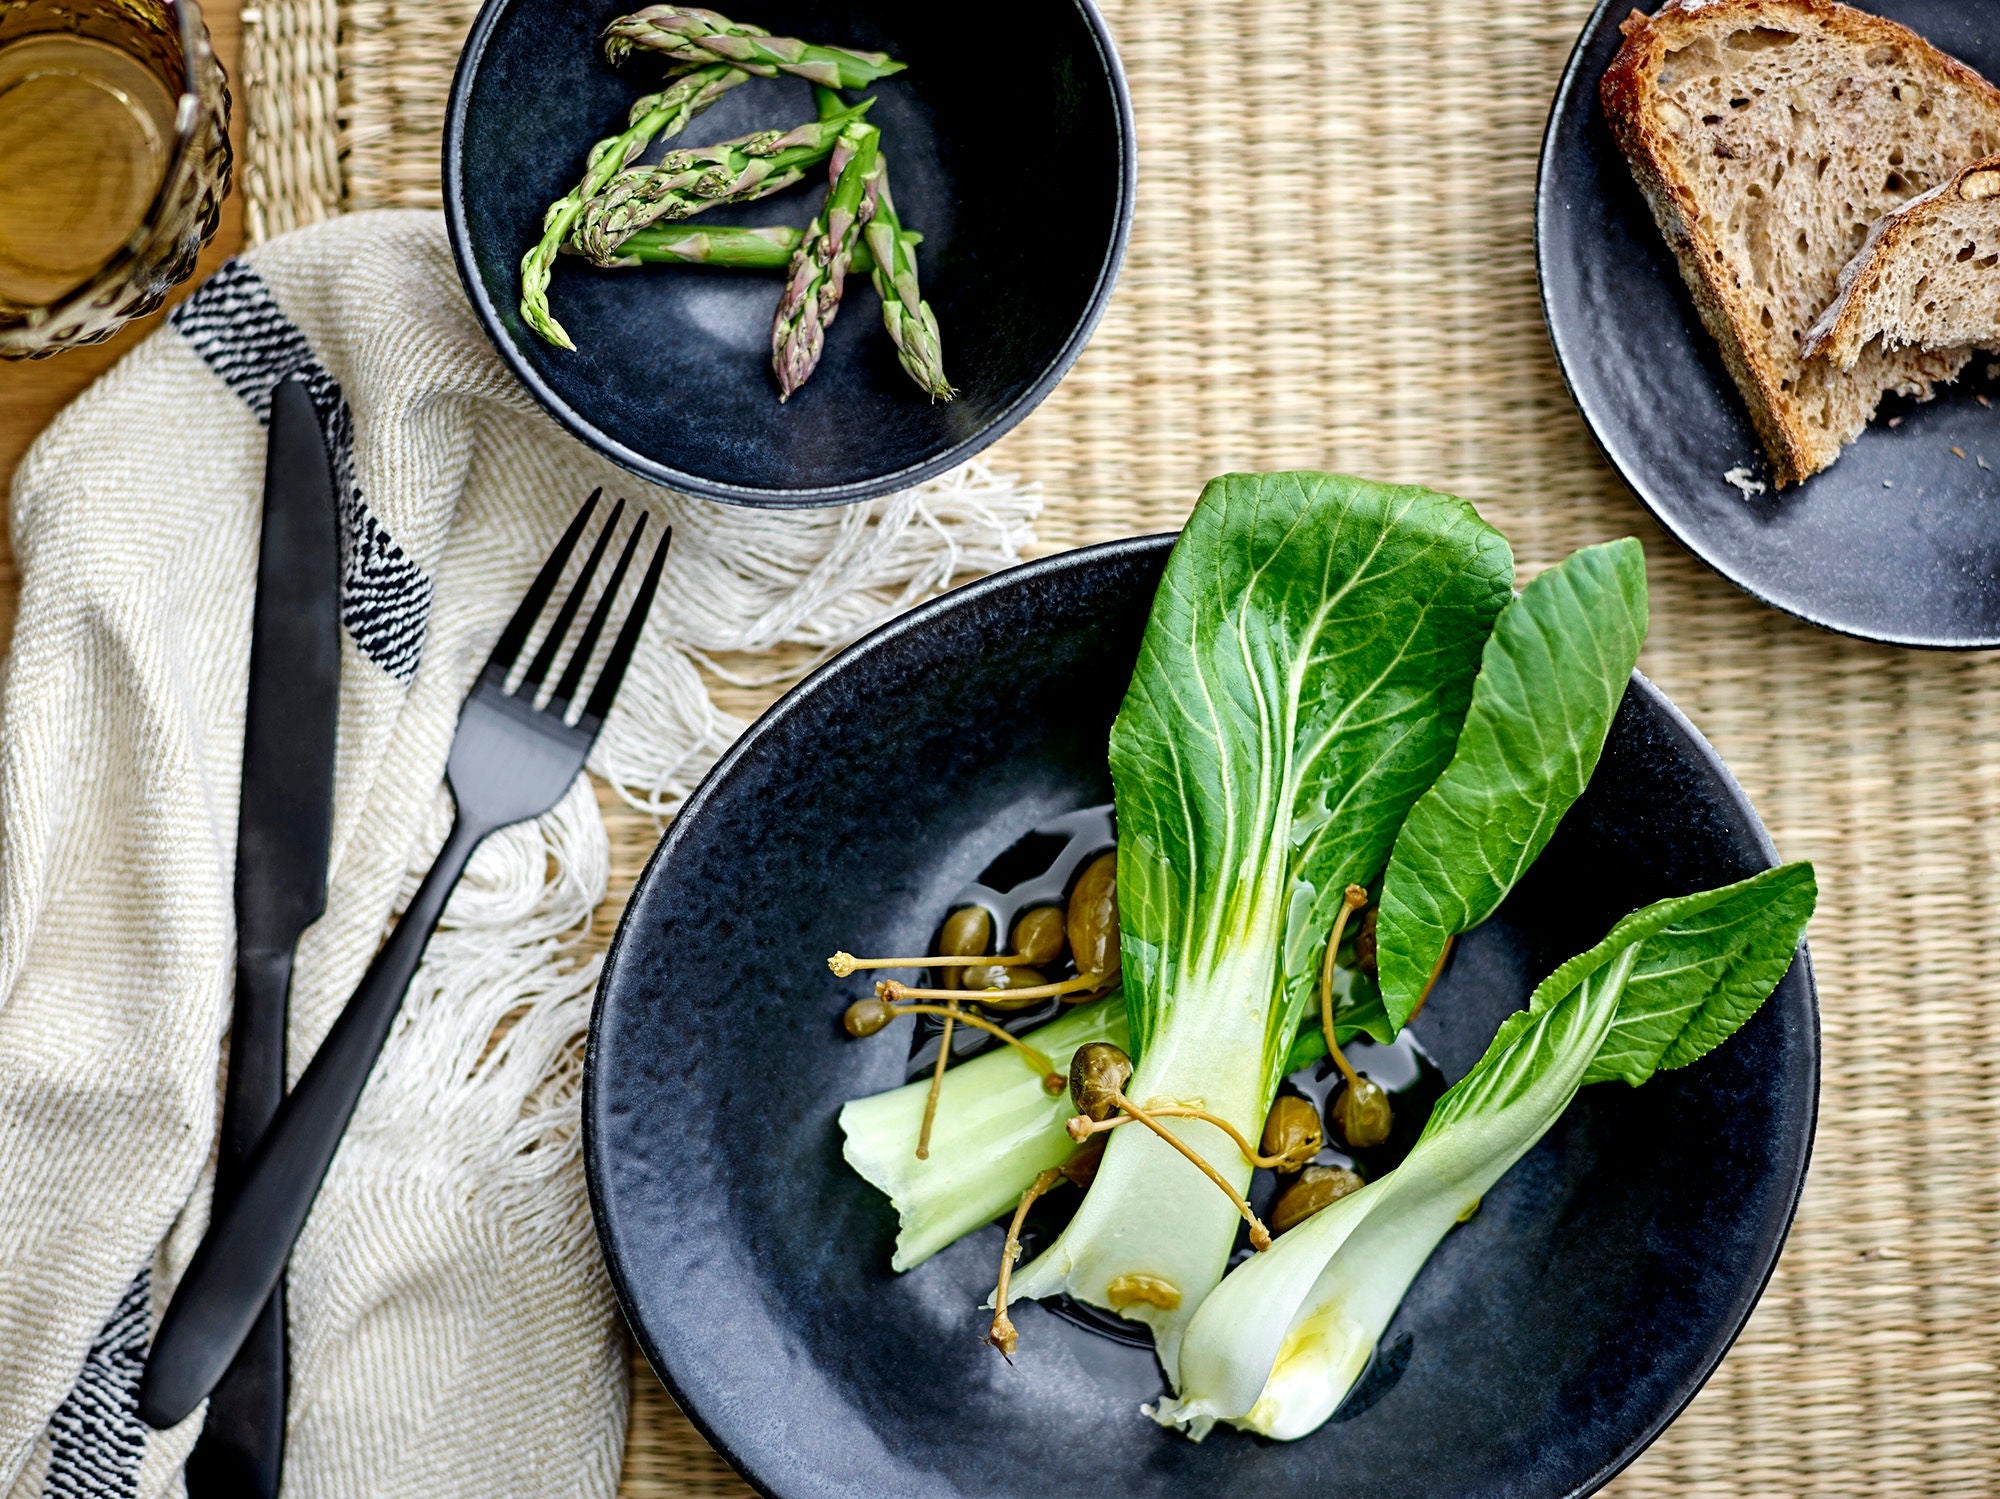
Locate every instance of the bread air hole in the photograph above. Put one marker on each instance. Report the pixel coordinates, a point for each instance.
(1968, 252)
(1698, 59)
(1894, 183)
(1884, 56)
(1760, 39)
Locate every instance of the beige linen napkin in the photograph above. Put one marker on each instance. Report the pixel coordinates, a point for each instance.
(452, 1331)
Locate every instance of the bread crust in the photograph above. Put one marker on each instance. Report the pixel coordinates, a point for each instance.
(1839, 333)
(1627, 94)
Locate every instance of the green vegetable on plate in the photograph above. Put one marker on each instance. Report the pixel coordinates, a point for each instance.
(818, 274)
(691, 37)
(997, 1127)
(665, 113)
(1551, 678)
(1279, 1344)
(1337, 690)
(695, 179)
(1301, 682)
(912, 326)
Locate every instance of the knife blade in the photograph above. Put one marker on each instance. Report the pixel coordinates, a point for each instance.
(284, 832)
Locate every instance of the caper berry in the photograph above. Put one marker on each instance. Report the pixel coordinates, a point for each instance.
(1317, 1187)
(992, 983)
(1362, 1114)
(1098, 1073)
(867, 1016)
(1093, 917)
(1292, 1132)
(998, 978)
(1038, 935)
(967, 933)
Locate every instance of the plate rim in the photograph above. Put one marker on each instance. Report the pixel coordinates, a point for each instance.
(1733, 796)
(489, 317)
(1563, 117)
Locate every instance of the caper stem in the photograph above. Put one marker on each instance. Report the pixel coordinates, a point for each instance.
(1081, 1128)
(1430, 983)
(1002, 1334)
(937, 1083)
(1352, 901)
(1260, 1236)
(892, 990)
(844, 963)
(1034, 1059)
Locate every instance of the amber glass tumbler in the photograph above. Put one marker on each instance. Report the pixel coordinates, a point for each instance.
(114, 160)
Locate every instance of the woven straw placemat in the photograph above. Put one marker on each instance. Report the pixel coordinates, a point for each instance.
(1333, 267)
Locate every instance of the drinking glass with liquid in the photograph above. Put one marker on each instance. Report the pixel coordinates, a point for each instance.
(114, 160)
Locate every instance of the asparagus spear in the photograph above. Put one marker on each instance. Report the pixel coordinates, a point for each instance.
(908, 317)
(692, 37)
(686, 182)
(766, 248)
(819, 265)
(664, 113)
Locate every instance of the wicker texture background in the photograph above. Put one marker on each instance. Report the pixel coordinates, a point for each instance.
(1367, 302)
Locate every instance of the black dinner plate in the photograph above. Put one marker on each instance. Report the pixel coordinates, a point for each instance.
(1546, 1343)
(1899, 541)
(671, 374)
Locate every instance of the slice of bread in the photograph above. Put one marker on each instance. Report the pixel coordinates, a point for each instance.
(1929, 275)
(1768, 136)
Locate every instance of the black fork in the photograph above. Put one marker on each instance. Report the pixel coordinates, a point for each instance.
(511, 760)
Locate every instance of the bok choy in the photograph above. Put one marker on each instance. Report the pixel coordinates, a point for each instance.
(1550, 681)
(1278, 1345)
(1301, 682)
(997, 1128)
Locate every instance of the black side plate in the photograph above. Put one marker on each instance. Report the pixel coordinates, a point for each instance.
(1900, 540)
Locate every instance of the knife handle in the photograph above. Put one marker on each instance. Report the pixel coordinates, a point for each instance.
(241, 1451)
(241, 1258)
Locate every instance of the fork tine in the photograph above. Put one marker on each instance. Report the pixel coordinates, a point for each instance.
(572, 676)
(508, 646)
(627, 641)
(552, 642)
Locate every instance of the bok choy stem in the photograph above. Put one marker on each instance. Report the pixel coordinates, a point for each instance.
(1301, 681)
(1278, 1345)
(996, 1128)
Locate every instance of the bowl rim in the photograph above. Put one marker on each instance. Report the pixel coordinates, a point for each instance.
(1750, 1289)
(491, 320)
(1570, 113)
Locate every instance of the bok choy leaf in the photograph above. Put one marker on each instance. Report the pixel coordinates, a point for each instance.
(1279, 1344)
(1302, 680)
(996, 1128)
(1550, 681)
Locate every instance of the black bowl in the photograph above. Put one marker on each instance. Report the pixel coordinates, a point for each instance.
(1547, 1342)
(1900, 540)
(1012, 152)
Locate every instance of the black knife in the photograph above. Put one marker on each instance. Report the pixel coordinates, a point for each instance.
(284, 830)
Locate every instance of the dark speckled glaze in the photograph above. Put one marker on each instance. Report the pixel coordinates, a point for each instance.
(1011, 151)
(1546, 1343)
(1900, 540)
